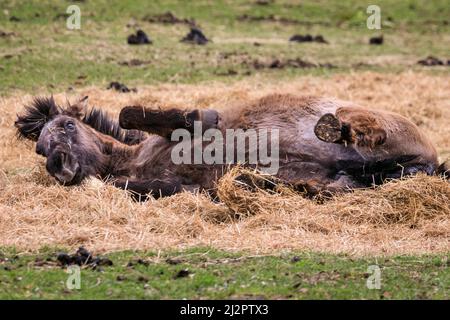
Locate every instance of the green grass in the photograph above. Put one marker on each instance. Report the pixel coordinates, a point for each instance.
(45, 56)
(220, 275)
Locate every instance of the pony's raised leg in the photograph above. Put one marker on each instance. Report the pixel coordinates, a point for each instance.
(141, 189)
(353, 126)
(164, 122)
(390, 146)
(321, 187)
(326, 188)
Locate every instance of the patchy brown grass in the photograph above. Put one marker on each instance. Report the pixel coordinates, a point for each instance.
(402, 217)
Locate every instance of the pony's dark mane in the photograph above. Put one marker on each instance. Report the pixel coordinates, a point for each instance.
(102, 122)
(30, 124)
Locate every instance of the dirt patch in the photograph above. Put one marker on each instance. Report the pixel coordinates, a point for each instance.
(308, 38)
(139, 38)
(82, 258)
(433, 61)
(61, 16)
(233, 58)
(278, 19)
(120, 87)
(376, 40)
(8, 56)
(15, 19)
(168, 18)
(134, 63)
(6, 34)
(228, 72)
(403, 217)
(183, 273)
(296, 63)
(134, 262)
(263, 2)
(195, 36)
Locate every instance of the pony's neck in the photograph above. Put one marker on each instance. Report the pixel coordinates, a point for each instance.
(115, 157)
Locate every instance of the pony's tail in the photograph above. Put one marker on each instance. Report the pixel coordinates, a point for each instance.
(444, 169)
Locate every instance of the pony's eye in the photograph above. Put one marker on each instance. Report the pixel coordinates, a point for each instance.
(70, 126)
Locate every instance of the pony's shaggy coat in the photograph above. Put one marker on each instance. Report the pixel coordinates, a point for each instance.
(325, 145)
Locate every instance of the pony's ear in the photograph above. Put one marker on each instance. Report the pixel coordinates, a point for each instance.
(79, 109)
(29, 124)
(53, 108)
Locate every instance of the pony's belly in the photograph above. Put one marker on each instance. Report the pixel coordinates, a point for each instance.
(302, 144)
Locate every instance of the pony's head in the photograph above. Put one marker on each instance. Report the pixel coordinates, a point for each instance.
(61, 137)
(72, 139)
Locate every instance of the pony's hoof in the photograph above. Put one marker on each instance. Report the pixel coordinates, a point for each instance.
(328, 128)
(444, 169)
(131, 117)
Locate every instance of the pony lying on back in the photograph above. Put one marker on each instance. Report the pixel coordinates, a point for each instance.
(325, 145)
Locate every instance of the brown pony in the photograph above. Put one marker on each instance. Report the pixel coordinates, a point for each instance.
(325, 145)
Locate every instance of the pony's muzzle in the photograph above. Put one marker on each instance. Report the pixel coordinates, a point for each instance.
(65, 176)
(60, 166)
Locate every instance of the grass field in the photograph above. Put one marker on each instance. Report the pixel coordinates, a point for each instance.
(207, 273)
(306, 251)
(44, 54)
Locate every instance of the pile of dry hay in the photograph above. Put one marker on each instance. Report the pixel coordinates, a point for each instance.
(402, 217)
(413, 202)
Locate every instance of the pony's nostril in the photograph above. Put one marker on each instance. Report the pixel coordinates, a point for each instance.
(63, 157)
(54, 162)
